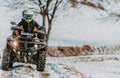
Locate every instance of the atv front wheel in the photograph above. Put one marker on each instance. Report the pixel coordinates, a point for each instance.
(41, 61)
(6, 60)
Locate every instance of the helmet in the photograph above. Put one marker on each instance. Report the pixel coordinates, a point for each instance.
(27, 15)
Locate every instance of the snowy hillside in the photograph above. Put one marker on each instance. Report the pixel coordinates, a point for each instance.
(84, 25)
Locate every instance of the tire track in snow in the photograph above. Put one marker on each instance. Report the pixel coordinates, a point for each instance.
(66, 71)
(21, 72)
(73, 70)
(58, 71)
(4, 74)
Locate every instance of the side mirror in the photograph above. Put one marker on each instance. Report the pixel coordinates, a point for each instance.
(42, 28)
(16, 28)
(13, 23)
(40, 32)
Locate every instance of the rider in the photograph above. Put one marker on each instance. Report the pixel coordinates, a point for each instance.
(27, 23)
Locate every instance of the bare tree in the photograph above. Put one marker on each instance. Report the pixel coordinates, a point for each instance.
(48, 13)
(46, 8)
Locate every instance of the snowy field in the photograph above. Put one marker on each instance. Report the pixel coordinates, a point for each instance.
(103, 66)
(74, 31)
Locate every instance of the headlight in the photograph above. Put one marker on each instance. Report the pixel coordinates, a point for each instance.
(36, 46)
(15, 43)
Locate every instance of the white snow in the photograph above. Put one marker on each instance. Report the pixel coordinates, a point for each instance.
(87, 66)
(84, 26)
(5, 26)
(101, 66)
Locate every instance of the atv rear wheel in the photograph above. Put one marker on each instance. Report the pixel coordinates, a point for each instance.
(6, 60)
(41, 60)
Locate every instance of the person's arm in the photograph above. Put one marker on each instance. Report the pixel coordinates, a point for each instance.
(37, 26)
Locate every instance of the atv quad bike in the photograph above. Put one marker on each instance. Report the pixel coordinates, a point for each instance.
(25, 49)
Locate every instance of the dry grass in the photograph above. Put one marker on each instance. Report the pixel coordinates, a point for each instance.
(97, 6)
(63, 51)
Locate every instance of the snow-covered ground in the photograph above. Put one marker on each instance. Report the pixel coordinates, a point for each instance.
(87, 66)
(98, 66)
(71, 31)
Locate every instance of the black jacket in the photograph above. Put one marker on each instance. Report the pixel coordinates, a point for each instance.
(28, 27)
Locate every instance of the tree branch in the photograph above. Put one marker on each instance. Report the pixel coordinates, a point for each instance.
(57, 3)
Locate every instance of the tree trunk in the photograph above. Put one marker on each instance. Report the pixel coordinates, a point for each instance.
(43, 21)
(44, 24)
(48, 33)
